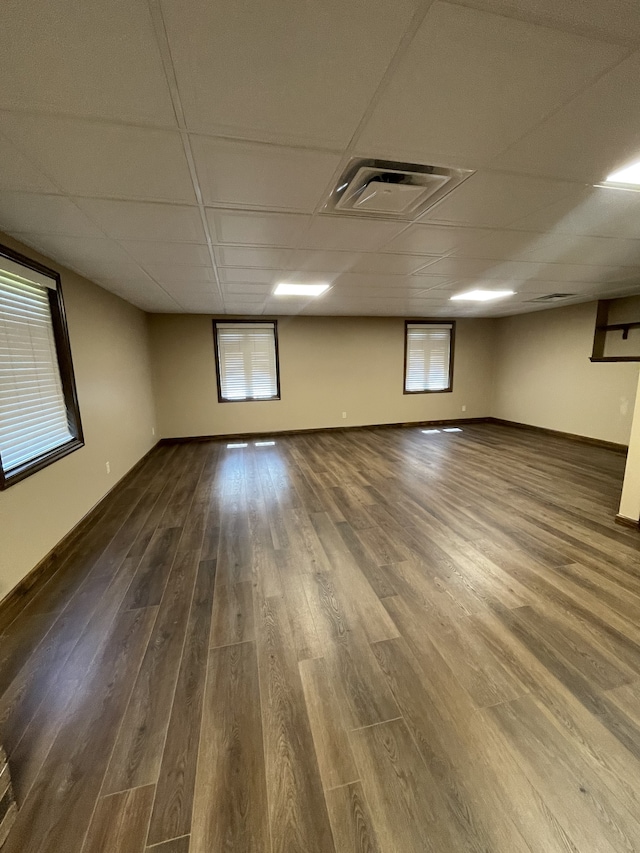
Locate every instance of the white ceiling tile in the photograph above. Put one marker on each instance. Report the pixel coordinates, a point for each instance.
(282, 71)
(248, 256)
(189, 290)
(591, 211)
(551, 248)
(180, 285)
(428, 240)
(138, 283)
(264, 176)
(255, 276)
(110, 270)
(230, 288)
(594, 134)
(364, 292)
(144, 294)
(389, 283)
(97, 159)
(615, 20)
(19, 173)
(244, 298)
(136, 220)
(257, 229)
(247, 309)
(505, 245)
(428, 282)
(201, 305)
(607, 251)
(116, 202)
(89, 58)
(350, 234)
(156, 303)
(391, 264)
(370, 307)
(167, 273)
(178, 254)
(471, 83)
(79, 251)
(44, 214)
(492, 199)
(522, 270)
(308, 261)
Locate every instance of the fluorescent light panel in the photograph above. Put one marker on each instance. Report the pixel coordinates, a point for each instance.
(229, 446)
(481, 295)
(264, 443)
(284, 289)
(629, 176)
(429, 431)
(452, 429)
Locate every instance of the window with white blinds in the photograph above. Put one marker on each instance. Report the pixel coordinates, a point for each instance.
(428, 357)
(247, 361)
(35, 420)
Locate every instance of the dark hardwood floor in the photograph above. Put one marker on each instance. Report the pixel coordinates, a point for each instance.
(374, 641)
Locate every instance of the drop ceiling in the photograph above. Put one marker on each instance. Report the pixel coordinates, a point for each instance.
(180, 153)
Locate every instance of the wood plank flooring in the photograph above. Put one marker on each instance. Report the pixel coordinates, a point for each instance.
(374, 641)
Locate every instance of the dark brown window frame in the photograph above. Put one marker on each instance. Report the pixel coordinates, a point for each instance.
(438, 322)
(67, 376)
(240, 322)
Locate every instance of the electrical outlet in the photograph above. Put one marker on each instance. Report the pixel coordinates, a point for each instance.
(153, 430)
(344, 414)
(108, 467)
(464, 408)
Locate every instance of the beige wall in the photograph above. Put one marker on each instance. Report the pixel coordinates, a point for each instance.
(543, 376)
(109, 342)
(327, 366)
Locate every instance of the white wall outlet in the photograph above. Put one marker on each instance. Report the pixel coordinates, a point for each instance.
(464, 408)
(108, 467)
(344, 414)
(153, 430)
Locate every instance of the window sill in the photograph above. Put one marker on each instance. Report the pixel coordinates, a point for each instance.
(38, 464)
(427, 391)
(248, 400)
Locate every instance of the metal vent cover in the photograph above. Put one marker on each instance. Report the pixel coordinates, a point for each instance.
(392, 190)
(552, 297)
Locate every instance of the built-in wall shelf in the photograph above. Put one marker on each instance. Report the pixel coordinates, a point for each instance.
(624, 327)
(616, 358)
(605, 347)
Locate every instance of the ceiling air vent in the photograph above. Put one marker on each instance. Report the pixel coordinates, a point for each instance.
(552, 297)
(389, 189)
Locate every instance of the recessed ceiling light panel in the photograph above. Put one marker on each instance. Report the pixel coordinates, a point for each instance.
(481, 295)
(627, 178)
(285, 289)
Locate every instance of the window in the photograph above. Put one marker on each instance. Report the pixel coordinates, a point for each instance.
(39, 415)
(247, 361)
(428, 357)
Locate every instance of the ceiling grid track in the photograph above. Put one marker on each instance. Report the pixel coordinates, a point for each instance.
(169, 70)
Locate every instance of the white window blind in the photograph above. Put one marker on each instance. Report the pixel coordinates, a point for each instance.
(33, 412)
(428, 357)
(247, 361)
